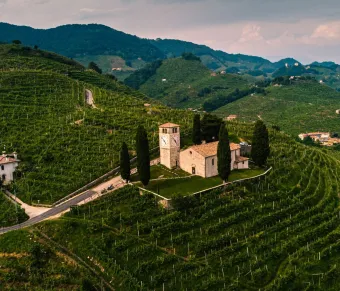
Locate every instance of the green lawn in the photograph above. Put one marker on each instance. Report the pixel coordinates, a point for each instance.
(160, 171)
(190, 185)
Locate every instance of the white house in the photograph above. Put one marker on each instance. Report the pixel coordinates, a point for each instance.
(8, 165)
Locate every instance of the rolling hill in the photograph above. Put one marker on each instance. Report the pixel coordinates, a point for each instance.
(184, 83)
(275, 233)
(62, 142)
(303, 106)
(109, 47)
(121, 53)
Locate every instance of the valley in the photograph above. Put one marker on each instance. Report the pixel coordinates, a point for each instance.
(164, 165)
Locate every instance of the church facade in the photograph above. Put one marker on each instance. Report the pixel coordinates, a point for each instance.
(200, 160)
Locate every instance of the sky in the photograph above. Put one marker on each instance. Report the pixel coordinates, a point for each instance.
(308, 30)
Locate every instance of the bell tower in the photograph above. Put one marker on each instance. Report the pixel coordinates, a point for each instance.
(169, 144)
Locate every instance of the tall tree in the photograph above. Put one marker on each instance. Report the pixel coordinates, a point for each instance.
(125, 162)
(93, 66)
(210, 126)
(224, 154)
(260, 145)
(143, 155)
(196, 130)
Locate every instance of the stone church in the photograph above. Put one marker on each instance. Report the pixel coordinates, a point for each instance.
(200, 160)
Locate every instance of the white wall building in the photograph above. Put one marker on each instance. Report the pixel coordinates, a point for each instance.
(8, 165)
(200, 160)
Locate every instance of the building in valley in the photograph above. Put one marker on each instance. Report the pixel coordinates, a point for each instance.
(199, 160)
(8, 165)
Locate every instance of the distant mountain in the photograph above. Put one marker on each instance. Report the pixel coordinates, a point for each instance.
(213, 59)
(325, 64)
(85, 43)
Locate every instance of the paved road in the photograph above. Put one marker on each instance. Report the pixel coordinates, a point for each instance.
(50, 213)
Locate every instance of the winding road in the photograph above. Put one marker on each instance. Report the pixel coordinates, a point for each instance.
(52, 212)
(80, 199)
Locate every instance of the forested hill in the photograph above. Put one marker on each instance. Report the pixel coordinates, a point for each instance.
(184, 82)
(81, 40)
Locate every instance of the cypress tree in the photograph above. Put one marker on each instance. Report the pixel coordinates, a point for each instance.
(224, 154)
(196, 130)
(260, 149)
(125, 162)
(143, 155)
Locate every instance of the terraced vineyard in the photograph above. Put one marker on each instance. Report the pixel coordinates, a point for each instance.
(278, 233)
(62, 142)
(304, 106)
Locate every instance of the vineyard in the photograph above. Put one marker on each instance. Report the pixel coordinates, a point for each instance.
(28, 262)
(9, 214)
(280, 232)
(303, 106)
(63, 143)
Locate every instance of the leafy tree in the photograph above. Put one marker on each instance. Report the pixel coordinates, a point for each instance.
(143, 155)
(210, 126)
(93, 66)
(190, 57)
(196, 131)
(16, 41)
(260, 145)
(36, 47)
(224, 154)
(125, 162)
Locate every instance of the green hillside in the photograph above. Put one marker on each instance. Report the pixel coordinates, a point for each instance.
(215, 60)
(275, 233)
(185, 83)
(303, 106)
(63, 143)
(29, 261)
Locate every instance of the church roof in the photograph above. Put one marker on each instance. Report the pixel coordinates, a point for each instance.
(210, 149)
(169, 124)
(7, 160)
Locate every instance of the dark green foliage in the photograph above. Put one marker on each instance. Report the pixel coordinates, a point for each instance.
(210, 126)
(86, 285)
(223, 154)
(221, 100)
(190, 57)
(39, 257)
(196, 130)
(260, 144)
(16, 41)
(79, 40)
(143, 155)
(93, 66)
(125, 168)
(139, 77)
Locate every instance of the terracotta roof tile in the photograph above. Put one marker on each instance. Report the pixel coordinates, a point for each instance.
(169, 124)
(7, 160)
(210, 149)
(240, 159)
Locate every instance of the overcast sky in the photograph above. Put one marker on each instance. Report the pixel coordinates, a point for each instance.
(304, 29)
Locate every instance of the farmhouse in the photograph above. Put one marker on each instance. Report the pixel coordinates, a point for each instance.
(198, 160)
(8, 164)
(231, 117)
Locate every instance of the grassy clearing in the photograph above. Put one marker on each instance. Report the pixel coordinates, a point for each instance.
(190, 185)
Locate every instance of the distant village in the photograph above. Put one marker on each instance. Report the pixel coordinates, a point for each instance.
(324, 138)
